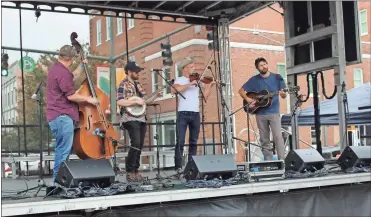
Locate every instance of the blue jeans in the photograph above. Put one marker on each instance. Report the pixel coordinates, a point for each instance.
(63, 130)
(184, 120)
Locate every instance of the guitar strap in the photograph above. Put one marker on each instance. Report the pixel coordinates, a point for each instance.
(138, 93)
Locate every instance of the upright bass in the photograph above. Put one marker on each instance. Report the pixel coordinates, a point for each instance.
(95, 135)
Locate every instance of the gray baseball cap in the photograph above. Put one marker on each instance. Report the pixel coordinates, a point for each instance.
(67, 51)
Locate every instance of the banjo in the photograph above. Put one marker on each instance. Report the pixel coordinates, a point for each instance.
(139, 110)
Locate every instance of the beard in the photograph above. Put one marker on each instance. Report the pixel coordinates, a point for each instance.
(263, 72)
(134, 77)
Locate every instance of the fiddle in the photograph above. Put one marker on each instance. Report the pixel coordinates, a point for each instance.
(205, 79)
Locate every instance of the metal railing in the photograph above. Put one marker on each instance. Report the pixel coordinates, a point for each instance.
(21, 148)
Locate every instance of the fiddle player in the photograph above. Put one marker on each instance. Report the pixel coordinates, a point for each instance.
(188, 111)
(61, 104)
(136, 126)
(269, 116)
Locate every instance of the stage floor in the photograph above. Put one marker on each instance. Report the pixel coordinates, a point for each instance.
(36, 205)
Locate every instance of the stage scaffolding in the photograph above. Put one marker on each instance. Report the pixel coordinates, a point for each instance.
(214, 14)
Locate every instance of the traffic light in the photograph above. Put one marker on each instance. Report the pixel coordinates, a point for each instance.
(4, 64)
(166, 54)
(212, 37)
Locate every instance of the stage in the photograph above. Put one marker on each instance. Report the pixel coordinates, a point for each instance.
(338, 189)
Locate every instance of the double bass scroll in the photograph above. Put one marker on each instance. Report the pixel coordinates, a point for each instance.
(92, 137)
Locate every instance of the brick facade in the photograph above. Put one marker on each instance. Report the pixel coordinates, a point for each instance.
(246, 47)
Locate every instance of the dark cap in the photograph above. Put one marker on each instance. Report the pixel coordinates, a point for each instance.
(132, 66)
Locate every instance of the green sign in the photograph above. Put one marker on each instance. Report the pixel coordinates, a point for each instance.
(28, 64)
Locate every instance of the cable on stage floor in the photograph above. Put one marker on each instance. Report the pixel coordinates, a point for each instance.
(215, 183)
(307, 174)
(358, 169)
(95, 191)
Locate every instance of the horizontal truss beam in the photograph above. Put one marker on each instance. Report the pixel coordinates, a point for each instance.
(51, 52)
(99, 10)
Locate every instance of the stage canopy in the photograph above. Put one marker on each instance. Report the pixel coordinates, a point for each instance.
(192, 12)
(357, 97)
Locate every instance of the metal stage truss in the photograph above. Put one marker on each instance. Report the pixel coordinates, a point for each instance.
(221, 14)
(218, 13)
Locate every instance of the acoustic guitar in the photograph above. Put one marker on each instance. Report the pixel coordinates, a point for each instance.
(264, 99)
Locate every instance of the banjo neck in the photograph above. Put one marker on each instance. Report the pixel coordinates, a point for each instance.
(154, 93)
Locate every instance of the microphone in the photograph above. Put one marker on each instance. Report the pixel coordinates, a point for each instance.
(222, 84)
(34, 96)
(156, 70)
(98, 132)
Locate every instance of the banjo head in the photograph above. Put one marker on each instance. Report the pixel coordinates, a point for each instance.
(136, 110)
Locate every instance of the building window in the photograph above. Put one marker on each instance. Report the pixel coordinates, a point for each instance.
(310, 85)
(13, 101)
(154, 82)
(130, 22)
(179, 73)
(313, 136)
(166, 74)
(119, 26)
(281, 70)
(108, 27)
(132, 58)
(9, 98)
(99, 32)
(165, 131)
(363, 22)
(357, 77)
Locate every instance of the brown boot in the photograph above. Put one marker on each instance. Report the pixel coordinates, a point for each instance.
(131, 177)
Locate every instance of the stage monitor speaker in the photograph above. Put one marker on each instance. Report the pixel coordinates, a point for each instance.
(302, 160)
(210, 167)
(355, 156)
(86, 173)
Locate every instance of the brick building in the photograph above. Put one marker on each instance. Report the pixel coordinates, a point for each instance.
(9, 92)
(260, 34)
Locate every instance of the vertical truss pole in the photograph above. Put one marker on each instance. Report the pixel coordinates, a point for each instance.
(226, 78)
(338, 48)
(290, 58)
(112, 74)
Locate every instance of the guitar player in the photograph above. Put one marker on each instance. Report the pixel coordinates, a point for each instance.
(267, 118)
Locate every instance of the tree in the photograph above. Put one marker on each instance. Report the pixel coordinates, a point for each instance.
(32, 80)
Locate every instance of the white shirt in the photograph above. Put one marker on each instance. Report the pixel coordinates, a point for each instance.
(191, 103)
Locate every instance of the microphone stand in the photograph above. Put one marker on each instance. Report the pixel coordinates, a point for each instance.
(41, 183)
(247, 151)
(345, 103)
(158, 176)
(168, 82)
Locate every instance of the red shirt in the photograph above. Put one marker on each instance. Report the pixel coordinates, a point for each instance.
(59, 85)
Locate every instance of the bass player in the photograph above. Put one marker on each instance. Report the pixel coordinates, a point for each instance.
(135, 125)
(269, 116)
(62, 103)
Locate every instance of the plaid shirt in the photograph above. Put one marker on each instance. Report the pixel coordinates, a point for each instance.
(126, 90)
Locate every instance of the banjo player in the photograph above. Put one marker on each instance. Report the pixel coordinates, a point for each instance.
(135, 125)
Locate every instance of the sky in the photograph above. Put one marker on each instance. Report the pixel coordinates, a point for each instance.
(50, 32)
